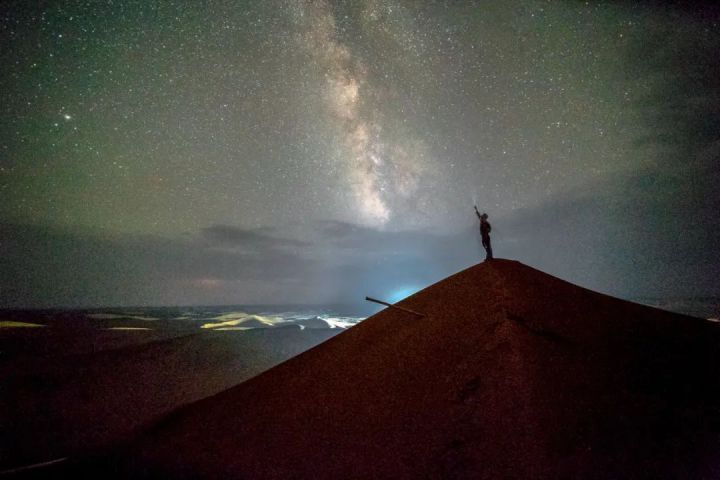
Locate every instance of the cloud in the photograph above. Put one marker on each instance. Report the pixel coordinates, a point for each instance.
(46, 266)
(337, 262)
(349, 236)
(259, 239)
(640, 234)
(676, 62)
(644, 234)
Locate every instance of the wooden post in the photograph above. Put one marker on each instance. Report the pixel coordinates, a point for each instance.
(370, 299)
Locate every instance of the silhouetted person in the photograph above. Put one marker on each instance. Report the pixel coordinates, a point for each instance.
(485, 233)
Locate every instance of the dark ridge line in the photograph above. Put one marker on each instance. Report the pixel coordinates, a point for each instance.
(540, 332)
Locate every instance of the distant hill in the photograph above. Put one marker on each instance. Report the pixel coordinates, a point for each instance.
(511, 373)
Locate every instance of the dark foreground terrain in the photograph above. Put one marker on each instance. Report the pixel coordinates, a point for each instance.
(510, 373)
(73, 386)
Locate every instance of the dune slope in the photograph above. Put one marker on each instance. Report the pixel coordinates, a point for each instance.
(511, 373)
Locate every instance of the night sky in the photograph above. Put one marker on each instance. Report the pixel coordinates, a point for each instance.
(230, 152)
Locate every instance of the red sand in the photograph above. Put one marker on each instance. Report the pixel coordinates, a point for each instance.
(512, 373)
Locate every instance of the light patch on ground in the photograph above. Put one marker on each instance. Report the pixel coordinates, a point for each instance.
(245, 316)
(12, 324)
(115, 316)
(336, 323)
(128, 328)
(232, 328)
(237, 319)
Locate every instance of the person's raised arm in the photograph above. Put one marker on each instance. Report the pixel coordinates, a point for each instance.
(477, 213)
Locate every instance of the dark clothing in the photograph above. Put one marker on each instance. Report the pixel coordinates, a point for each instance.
(485, 229)
(487, 246)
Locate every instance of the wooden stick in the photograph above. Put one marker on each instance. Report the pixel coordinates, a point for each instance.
(370, 299)
(34, 466)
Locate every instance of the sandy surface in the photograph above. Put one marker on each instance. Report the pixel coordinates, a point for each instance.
(74, 386)
(510, 374)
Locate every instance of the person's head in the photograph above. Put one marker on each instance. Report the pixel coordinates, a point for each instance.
(484, 216)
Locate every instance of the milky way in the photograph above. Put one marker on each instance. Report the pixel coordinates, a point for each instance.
(345, 80)
(376, 170)
(283, 150)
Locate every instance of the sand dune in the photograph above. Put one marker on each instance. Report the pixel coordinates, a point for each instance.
(54, 405)
(511, 374)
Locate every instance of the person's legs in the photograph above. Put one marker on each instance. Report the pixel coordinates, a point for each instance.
(487, 247)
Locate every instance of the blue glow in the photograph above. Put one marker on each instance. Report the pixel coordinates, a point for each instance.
(402, 293)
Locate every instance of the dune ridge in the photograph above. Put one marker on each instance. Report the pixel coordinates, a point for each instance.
(511, 373)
